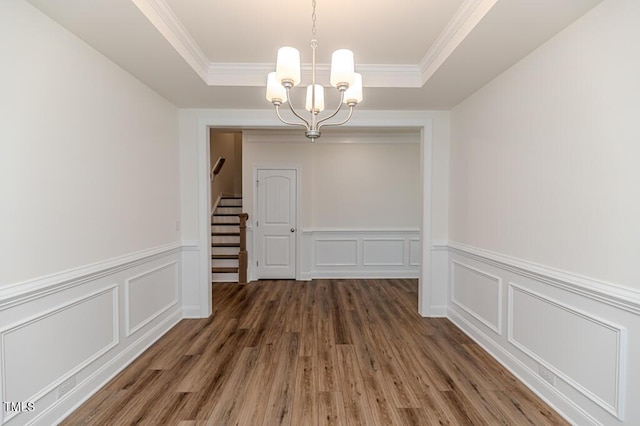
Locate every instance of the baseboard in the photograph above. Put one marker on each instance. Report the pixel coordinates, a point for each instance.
(537, 321)
(366, 274)
(191, 312)
(438, 311)
(565, 407)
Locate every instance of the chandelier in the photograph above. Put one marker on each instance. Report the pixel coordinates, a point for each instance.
(287, 75)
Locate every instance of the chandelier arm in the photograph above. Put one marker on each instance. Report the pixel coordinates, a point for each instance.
(334, 112)
(337, 124)
(289, 122)
(306, 123)
(320, 123)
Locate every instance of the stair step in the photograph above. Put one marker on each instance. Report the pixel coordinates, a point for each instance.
(226, 250)
(224, 270)
(225, 244)
(226, 214)
(225, 234)
(224, 256)
(226, 220)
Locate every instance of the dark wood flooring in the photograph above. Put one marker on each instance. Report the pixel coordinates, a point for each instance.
(326, 352)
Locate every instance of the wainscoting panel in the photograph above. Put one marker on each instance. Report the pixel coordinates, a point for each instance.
(149, 294)
(64, 336)
(383, 252)
(478, 293)
(584, 351)
(370, 253)
(573, 340)
(41, 352)
(336, 252)
(414, 252)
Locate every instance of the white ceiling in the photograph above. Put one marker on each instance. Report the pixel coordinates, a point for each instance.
(413, 54)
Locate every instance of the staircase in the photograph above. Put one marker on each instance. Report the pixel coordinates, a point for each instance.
(225, 239)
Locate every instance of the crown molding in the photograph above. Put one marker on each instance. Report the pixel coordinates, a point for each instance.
(255, 74)
(463, 22)
(167, 23)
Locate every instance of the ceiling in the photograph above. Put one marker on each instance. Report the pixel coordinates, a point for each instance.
(413, 54)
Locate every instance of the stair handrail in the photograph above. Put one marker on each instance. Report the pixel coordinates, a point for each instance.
(243, 262)
(216, 168)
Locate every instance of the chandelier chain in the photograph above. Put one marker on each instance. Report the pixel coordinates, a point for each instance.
(313, 18)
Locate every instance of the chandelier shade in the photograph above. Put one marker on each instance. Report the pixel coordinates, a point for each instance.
(288, 65)
(287, 75)
(315, 104)
(342, 68)
(275, 90)
(353, 95)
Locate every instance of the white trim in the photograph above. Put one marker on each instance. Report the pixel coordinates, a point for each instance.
(617, 408)
(567, 408)
(316, 262)
(162, 17)
(361, 230)
(497, 328)
(468, 15)
(26, 291)
(230, 74)
(619, 297)
(54, 414)
(439, 245)
(215, 204)
(127, 306)
(113, 289)
(377, 239)
(277, 166)
(254, 74)
(190, 245)
(335, 136)
(266, 119)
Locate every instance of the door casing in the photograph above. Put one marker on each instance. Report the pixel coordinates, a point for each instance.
(254, 242)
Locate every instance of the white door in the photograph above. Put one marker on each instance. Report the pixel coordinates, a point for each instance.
(276, 225)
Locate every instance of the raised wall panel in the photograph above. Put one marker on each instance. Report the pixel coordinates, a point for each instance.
(336, 252)
(382, 252)
(360, 253)
(478, 293)
(414, 252)
(149, 294)
(583, 350)
(41, 352)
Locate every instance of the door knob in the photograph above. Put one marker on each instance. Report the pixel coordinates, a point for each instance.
(293, 229)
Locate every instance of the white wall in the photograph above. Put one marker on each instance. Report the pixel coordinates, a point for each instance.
(90, 257)
(544, 158)
(544, 212)
(360, 200)
(89, 155)
(346, 185)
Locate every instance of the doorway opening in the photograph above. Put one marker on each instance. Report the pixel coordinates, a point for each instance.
(225, 149)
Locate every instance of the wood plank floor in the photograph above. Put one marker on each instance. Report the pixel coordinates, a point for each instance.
(326, 352)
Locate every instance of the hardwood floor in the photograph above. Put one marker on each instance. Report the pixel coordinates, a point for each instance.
(326, 352)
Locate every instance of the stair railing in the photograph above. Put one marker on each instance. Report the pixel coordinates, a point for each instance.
(214, 172)
(243, 262)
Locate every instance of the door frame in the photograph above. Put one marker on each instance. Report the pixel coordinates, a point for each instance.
(195, 125)
(254, 236)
